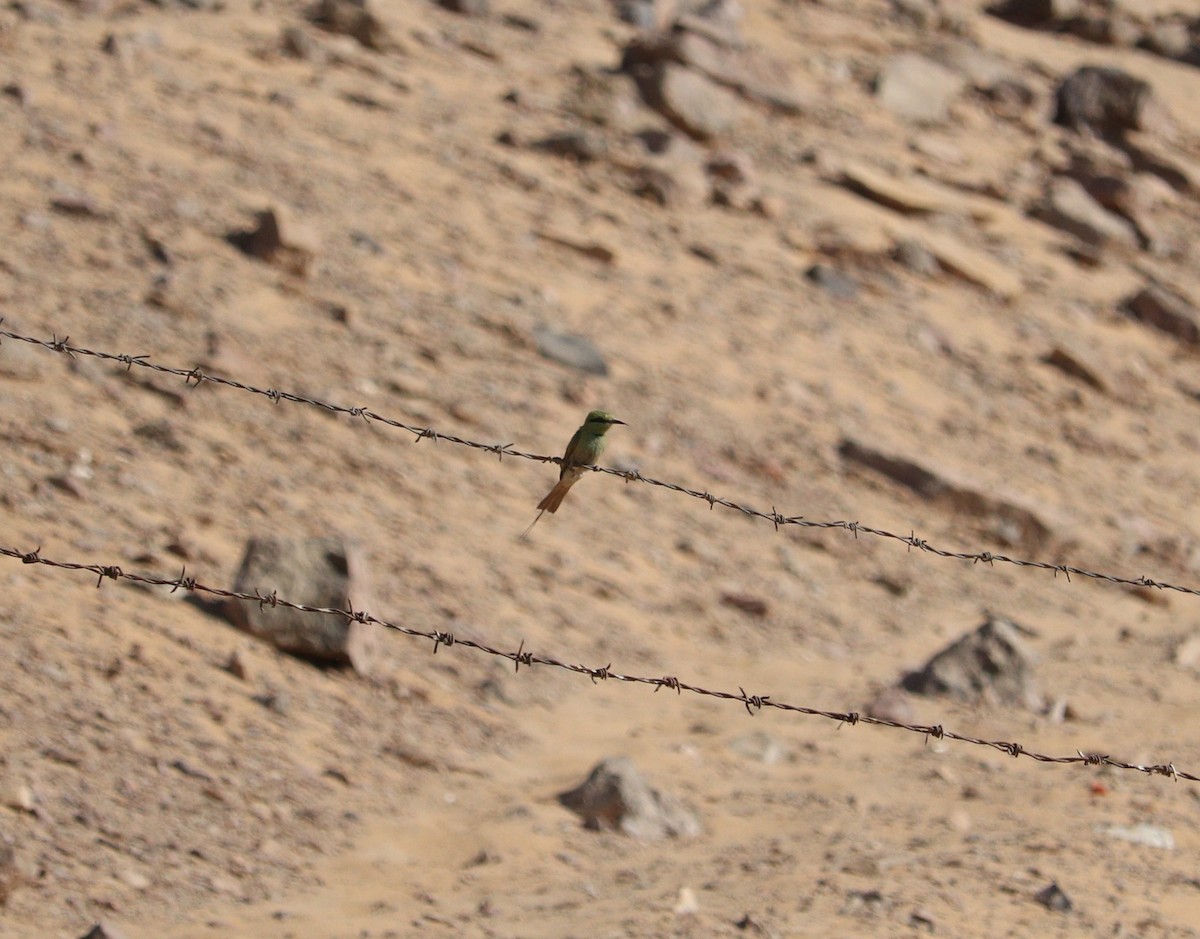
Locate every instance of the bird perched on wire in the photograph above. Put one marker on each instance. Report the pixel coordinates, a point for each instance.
(584, 449)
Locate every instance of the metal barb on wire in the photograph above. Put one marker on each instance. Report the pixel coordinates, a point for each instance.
(777, 519)
(752, 702)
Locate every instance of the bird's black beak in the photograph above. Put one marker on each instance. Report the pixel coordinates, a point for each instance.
(615, 421)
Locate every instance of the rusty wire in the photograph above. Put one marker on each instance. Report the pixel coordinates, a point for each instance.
(752, 702)
(502, 450)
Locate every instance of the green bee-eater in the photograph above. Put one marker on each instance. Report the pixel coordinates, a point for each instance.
(584, 449)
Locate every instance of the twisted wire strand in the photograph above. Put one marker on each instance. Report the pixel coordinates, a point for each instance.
(778, 519)
(753, 703)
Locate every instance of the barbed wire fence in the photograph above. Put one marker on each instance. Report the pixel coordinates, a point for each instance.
(753, 703)
(778, 519)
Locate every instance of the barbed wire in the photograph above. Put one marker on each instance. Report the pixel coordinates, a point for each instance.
(778, 519)
(752, 702)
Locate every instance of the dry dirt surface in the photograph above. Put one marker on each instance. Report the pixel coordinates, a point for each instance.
(827, 259)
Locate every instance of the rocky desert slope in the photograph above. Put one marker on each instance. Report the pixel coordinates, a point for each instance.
(925, 265)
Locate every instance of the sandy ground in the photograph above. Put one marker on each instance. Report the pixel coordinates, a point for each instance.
(148, 787)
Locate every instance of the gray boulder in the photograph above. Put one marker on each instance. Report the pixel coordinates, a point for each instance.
(990, 664)
(617, 797)
(317, 572)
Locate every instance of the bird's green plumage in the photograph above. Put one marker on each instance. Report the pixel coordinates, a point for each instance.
(587, 443)
(584, 449)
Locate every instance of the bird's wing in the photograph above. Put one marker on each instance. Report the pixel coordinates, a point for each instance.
(571, 455)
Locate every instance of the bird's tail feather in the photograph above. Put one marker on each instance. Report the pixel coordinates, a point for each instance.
(525, 533)
(552, 501)
(555, 496)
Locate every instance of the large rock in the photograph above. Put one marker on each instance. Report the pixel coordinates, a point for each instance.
(1070, 363)
(1176, 169)
(916, 88)
(722, 70)
(583, 146)
(1126, 23)
(990, 664)
(1067, 205)
(1135, 199)
(671, 173)
(1054, 898)
(601, 97)
(278, 238)
(352, 18)
(466, 7)
(317, 572)
(616, 796)
(752, 73)
(835, 282)
(1170, 38)
(1165, 310)
(1108, 102)
(103, 931)
(906, 472)
(691, 102)
(1035, 13)
(569, 349)
(1006, 519)
(661, 186)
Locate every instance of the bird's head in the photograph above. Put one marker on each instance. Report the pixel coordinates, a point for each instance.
(600, 421)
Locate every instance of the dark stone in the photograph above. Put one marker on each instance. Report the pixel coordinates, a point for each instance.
(1107, 102)
(905, 472)
(570, 350)
(352, 18)
(102, 931)
(655, 141)
(1053, 898)
(1035, 13)
(1167, 311)
(1066, 204)
(754, 606)
(581, 145)
(1070, 364)
(1007, 520)
(296, 43)
(833, 281)
(276, 238)
(916, 257)
(466, 7)
(616, 796)
(989, 664)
